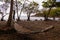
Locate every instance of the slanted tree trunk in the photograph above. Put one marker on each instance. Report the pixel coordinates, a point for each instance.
(20, 15)
(2, 17)
(21, 11)
(9, 22)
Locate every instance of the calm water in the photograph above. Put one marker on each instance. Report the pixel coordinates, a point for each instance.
(33, 18)
(37, 18)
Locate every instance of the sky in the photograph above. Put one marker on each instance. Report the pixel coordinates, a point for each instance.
(58, 0)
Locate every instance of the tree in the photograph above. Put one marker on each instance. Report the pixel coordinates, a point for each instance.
(21, 10)
(13, 14)
(9, 22)
(2, 15)
(53, 13)
(22, 7)
(31, 8)
(57, 4)
(17, 9)
(49, 4)
(4, 8)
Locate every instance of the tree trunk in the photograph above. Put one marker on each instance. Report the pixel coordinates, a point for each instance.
(54, 18)
(14, 14)
(21, 11)
(19, 15)
(28, 15)
(9, 22)
(17, 10)
(46, 16)
(2, 17)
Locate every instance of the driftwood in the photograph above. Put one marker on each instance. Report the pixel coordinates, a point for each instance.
(23, 30)
(48, 28)
(41, 31)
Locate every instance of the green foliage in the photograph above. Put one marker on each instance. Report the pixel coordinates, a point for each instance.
(38, 13)
(57, 4)
(58, 11)
(49, 3)
(41, 14)
(36, 4)
(31, 8)
(53, 12)
(45, 4)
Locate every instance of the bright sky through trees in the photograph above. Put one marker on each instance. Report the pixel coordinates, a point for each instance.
(38, 1)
